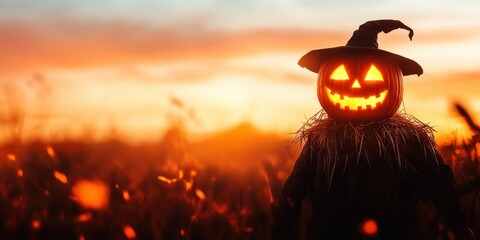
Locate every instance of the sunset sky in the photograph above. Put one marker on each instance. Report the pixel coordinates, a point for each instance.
(84, 68)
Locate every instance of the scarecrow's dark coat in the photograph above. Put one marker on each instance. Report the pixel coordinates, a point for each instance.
(378, 171)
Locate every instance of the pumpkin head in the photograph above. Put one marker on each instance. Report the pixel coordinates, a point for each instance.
(359, 82)
(360, 88)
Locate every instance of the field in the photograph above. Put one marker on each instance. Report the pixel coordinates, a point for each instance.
(220, 187)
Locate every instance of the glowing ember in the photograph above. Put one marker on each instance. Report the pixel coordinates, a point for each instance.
(82, 237)
(188, 185)
(244, 211)
(167, 180)
(84, 217)
(193, 173)
(11, 157)
(20, 172)
(164, 179)
(36, 224)
(200, 194)
(50, 151)
(370, 227)
(129, 232)
(91, 194)
(60, 177)
(126, 195)
(182, 232)
(180, 174)
(220, 208)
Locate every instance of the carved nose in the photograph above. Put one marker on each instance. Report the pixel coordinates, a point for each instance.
(356, 84)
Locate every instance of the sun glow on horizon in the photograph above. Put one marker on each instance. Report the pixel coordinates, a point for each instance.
(133, 75)
(133, 106)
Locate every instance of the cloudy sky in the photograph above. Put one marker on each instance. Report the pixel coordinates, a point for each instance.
(133, 68)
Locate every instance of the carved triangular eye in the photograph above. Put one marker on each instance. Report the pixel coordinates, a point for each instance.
(340, 73)
(374, 74)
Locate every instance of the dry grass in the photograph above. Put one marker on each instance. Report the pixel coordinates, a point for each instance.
(172, 189)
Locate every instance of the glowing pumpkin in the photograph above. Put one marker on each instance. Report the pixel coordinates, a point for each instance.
(359, 82)
(362, 88)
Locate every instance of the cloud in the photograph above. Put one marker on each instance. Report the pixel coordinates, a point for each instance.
(193, 73)
(45, 45)
(28, 46)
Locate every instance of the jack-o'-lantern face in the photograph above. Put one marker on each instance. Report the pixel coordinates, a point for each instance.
(360, 88)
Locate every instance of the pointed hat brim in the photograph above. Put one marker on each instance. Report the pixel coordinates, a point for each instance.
(315, 58)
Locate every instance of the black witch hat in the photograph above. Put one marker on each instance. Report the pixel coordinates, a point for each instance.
(364, 40)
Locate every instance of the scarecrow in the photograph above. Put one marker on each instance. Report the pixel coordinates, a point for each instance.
(364, 166)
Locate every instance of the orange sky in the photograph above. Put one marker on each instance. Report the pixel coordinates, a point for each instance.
(72, 70)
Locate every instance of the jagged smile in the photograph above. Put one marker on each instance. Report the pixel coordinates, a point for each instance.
(356, 103)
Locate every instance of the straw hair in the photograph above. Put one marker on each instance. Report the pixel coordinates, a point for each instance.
(388, 141)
